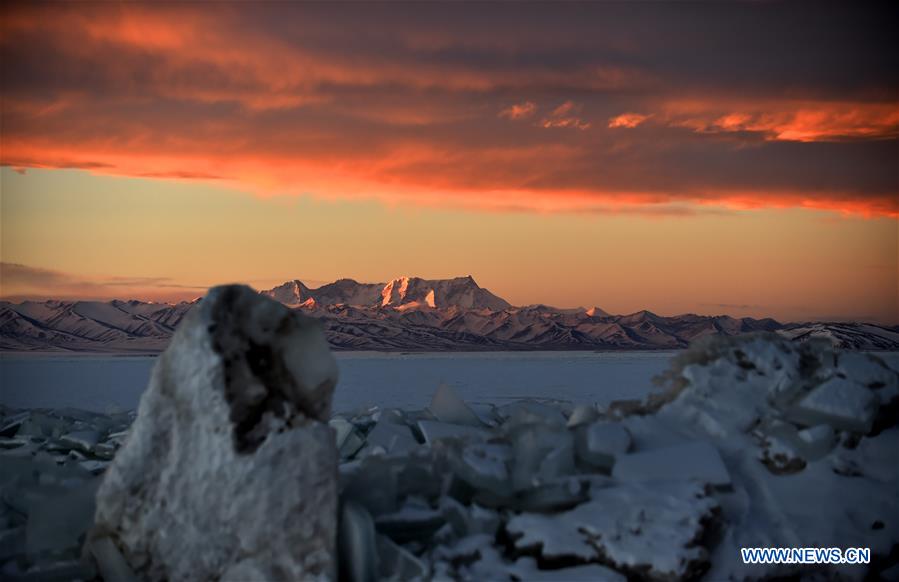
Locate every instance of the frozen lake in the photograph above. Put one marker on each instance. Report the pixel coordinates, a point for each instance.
(104, 383)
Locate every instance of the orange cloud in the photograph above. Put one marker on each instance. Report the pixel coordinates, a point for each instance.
(565, 115)
(792, 121)
(629, 120)
(24, 282)
(519, 110)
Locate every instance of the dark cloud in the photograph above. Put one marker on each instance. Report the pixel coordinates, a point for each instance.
(756, 103)
(23, 282)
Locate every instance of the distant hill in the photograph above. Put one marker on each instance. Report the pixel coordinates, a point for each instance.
(407, 314)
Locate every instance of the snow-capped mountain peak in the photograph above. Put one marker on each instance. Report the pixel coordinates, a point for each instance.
(401, 292)
(289, 293)
(597, 312)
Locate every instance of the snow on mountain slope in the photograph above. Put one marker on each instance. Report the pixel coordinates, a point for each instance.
(113, 317)
(348, 292)
(408, 314)
(440, 293)
(88, 325)
(856, 336)
(20, 333)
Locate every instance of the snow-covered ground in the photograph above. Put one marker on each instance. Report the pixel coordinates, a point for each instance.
(105, 383)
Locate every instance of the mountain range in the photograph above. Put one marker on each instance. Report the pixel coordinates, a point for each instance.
(406, 314)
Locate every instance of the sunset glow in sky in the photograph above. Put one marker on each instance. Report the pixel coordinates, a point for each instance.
(701, 157)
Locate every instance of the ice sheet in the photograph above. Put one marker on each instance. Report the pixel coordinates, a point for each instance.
(366, 378)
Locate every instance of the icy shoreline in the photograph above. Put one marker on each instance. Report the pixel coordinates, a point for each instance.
(757, 442)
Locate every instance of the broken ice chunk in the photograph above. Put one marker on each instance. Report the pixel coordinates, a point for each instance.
(482, 520)
(342, 428)
(39, 424)
(485, 412)
(485, 466)
(444, 535)
(398, 563)
(786, 449)
(867, 370)
(415, 520)
(12, 442)
(446, 406)
(419, 473)
(626, 407)
(599, 443)
(394, 438)
(366, 418)
(558, 461)
(76, 456)
(347, 436)
(456, 516)
(356, 544)
(93, 466)
(104, 451)
(392, 415)
(469, 521)
(841, 403)
(817, 441)
(699, 461)
(118, 438)
(352, 445)
(582, 414)
(540, 454)
(434, 431)
(12, 423)
(82, 440)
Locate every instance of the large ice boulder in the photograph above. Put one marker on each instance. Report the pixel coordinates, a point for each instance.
(841, 403)
(599, 443)
(230, 469)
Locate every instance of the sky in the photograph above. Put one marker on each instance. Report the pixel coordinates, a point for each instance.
(735, 158)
